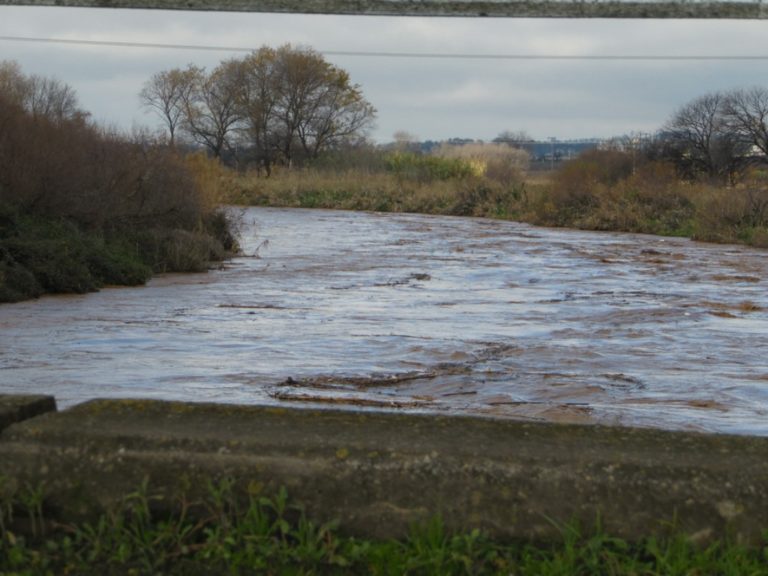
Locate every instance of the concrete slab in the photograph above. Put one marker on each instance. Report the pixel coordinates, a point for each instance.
(17, 408)
(379, 472)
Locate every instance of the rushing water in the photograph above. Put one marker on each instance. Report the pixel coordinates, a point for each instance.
(423, 313)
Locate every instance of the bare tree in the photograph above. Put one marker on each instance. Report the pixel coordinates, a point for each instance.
(404, 140)
(746, 114)
(14, 85)
(701, 140)
(317, 103)
(49, 98)
(211, 109)
(258, 101)
(43, 98)
(514, 138)
(166, 93)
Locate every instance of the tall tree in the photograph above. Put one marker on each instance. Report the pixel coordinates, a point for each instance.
(336, 113)
(258, 102)
(746, 114)
(52, 99)
(167, 93)
(700, 138)
(286, 103)
(42, 98)
(316, 105)
(211, 107)
(14, 85)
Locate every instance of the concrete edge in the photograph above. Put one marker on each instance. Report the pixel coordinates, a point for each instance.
(378, 473)
(15, 409)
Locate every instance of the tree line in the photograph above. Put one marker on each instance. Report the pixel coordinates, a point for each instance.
(56, 162)
(274, 106)
(716, 136)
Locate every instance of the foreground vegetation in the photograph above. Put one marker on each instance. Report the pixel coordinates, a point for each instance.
(82, 206)
(272, 536)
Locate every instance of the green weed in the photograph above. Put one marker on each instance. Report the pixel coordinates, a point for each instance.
(222, 534)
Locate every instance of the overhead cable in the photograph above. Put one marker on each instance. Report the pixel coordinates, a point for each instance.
(386, 54)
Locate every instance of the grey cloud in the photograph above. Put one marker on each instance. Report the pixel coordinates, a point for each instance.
(432, 98)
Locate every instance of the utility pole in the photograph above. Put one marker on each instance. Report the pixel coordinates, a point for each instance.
(552, 141)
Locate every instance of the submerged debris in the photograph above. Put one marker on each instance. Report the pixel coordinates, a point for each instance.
(415, 277)
(349, 400)
(373, 381)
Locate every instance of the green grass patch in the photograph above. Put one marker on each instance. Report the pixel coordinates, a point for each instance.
(220, 534)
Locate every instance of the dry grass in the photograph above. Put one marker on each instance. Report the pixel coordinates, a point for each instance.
(583, 194)
(375, 191)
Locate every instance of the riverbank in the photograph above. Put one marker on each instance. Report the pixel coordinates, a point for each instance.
(378, 474)
(43, 255)
(602, 191)
(83, 206)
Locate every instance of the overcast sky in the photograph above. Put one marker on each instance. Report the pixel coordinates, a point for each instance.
(430, 98)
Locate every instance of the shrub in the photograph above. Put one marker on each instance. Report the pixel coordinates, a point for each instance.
(173, 250)
(652, 200)
(498, 162)
(16, 282)
(407, 165)
(75, 198)
(43, 256)
(116, 262)
(577, 184)
(730, 215)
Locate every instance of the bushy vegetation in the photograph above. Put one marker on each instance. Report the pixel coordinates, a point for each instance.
(82, 206)
(654, 199)
(387, 181)
(602, 191)
(272, 536)
(39, 256)
(617, 188)
(427, 168)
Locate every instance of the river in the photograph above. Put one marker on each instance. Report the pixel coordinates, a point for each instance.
(437, 314)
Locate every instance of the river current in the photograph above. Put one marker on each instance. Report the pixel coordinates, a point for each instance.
(432, 314)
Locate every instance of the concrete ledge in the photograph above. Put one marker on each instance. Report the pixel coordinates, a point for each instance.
(746, 9)
(379, 472)
(17, 408)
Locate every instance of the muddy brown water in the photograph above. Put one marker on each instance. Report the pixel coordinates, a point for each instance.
(412, 312)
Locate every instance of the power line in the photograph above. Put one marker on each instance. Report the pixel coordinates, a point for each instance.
(412, 55)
